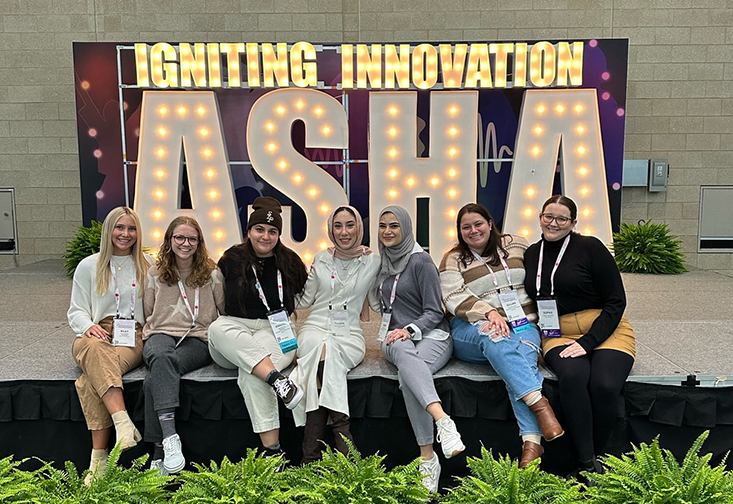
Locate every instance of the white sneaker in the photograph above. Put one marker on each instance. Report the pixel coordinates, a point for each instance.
(431, 470)
(449, 438)
(157, 464)
(173, 460)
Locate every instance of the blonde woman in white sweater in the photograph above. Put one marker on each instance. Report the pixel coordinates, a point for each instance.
(107, 316)
(482, 279)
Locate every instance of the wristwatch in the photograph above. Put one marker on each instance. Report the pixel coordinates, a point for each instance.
(410, 330)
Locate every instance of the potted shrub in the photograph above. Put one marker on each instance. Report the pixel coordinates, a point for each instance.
(647, 248)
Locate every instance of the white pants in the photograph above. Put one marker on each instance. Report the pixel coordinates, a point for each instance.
(239, 343)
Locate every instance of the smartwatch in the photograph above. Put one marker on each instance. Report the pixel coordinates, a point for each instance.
(410, 330)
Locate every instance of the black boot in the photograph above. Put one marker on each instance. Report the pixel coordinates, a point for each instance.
(340, 425)
(315, 426)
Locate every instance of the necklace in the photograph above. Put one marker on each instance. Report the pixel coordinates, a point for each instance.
(344, 264)
(120, 264)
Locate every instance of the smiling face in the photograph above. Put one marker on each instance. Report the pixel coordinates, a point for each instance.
(263, 238)
(475, 231)
(124, 236)
(184, 243)
(390, 232)
(345, 229)
(553, 230)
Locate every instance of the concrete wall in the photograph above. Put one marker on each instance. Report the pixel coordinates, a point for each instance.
(679, 101)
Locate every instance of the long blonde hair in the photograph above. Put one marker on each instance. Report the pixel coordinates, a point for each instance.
(104, 274)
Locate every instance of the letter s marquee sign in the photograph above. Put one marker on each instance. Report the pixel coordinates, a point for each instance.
(204, 128)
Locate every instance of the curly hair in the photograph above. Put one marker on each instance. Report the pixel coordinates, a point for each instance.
(203, 265)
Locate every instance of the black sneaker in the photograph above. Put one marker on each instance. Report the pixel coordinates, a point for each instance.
(269, 452)
(287, 391)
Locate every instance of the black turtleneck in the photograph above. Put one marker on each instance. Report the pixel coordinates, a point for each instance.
(587, 277)
(242, 299)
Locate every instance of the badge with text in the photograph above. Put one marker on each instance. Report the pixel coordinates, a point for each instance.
(339, 320)
(124, 333)
(549, 318)
(514, 312)
(384, 327)
(280, 323)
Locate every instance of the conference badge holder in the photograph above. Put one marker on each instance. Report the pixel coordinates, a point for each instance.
(384, 327)
(514, 312)
(339, 320)
(549, 317)
(124, 332)
(280, 324)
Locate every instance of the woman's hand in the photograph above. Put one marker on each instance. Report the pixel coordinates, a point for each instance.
(495, 322)
(573, 349)
(397, 334)
(96, 331)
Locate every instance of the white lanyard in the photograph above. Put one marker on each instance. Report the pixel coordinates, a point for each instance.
(262, 293)
(195, 312)
(392, 296)
(133, 296)
(554, 269)
(493, 275)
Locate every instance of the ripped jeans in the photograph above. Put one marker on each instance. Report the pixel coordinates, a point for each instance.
(514, 359)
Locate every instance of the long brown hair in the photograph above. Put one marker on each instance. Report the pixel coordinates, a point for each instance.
(493, 247)
(104, 275)
(203, 265)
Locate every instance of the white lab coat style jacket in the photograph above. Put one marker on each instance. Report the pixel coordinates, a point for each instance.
(350, 286)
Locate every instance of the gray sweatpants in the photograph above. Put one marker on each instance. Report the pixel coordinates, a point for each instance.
(416, 363)
(167, 364)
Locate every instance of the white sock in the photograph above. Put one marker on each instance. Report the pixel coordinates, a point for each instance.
(534, 438)
(532, 398)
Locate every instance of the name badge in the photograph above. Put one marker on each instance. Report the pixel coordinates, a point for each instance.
(280, 324)
(549, 318)
(514, 312)
(384, 327)
(124, 333)
(339, 320)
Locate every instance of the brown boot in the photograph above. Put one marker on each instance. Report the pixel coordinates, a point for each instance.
(530, 451)
(340, 425)
(315, 426)
(550, 427)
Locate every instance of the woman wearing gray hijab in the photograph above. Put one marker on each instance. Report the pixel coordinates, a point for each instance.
(414, 335)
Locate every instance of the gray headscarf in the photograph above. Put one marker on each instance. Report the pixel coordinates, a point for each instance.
(395, 258)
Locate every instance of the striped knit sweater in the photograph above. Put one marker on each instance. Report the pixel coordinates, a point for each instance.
(469, 291)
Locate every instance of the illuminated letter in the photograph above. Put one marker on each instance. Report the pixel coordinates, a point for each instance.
(141, 65)
(501, 51)
(276, 66)
(368, 66)
(303, 74)
(452, 66)
(448, 177)
(214, 65)
(397, 65)
(172, 122)
(253, 65)
(520, 65)
(165, 68)
(570, 64)
(347, 66)
(277, 161)
(542, 64)
(566, 121)
(479, 68)
(193, 64)
(232, 52)
(425, 66)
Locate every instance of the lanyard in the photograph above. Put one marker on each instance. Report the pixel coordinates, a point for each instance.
(493, 275)
(392, 296)
(262, 293)
(195, 312)
(333, 290)
(133, 296)
(554, 269)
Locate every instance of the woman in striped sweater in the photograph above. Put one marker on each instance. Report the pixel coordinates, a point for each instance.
(482, 279)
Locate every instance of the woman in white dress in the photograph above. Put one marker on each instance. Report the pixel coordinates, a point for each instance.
(331, 343)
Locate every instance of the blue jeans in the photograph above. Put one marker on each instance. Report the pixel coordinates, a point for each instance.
(514, 359)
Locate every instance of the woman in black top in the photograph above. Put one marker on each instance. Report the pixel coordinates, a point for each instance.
(594, 349)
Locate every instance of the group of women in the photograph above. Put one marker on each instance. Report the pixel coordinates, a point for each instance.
(183, 311)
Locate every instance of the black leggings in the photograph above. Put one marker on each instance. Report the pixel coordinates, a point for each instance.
(590, 393)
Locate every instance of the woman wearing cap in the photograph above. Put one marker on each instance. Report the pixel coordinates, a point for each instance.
(106, 314)
(494, 321)
(415, 335)
(330, 343)
(587, 340)
(184, 293)
(262, 278)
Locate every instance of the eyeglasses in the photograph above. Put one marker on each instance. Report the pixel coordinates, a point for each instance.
(548, 218)
(180, 239)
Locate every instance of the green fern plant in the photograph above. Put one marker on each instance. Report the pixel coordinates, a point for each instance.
(85, 243)
(648, 248)
(117, 485)
(16, 486)
(351, 479)
(651, 475)
(500, 481)
(253, 480)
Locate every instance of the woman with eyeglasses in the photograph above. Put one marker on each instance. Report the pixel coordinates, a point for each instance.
(184, 293)
(587, 340)
(482, 279)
